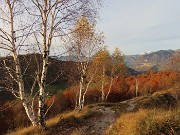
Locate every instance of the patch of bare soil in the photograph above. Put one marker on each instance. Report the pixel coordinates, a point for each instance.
(131, 107)
(100, 119)
(98, 125)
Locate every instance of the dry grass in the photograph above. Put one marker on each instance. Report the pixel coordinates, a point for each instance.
(21, 131)
(152, 116)
(71, 116)
(147, 122)
(125, 123)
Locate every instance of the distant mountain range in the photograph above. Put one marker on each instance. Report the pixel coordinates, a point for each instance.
(160, 60)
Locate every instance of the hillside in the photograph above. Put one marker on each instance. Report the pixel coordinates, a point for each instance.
(160, 60)
(59, 72)
(106, 118)
(96, 118)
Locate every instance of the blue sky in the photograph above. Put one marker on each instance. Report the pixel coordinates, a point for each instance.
(137, 26)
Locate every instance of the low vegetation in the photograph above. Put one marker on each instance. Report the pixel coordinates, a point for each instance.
(147, 122)
(146, 115)
(120, 100)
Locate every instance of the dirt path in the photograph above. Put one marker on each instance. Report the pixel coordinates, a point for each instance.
(131, 107)
(98, 125)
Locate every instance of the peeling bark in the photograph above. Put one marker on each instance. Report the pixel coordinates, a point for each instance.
(41, 111)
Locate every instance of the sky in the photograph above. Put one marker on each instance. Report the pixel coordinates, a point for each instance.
(137, 26)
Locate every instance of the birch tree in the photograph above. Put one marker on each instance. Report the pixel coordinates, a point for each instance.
(117, 68)
(101, 61)
(85, 42)
(36, 23)
(13, 34)
(109, 69)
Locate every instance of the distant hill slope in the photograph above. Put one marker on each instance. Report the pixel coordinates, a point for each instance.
(160, 60)
(59, 72)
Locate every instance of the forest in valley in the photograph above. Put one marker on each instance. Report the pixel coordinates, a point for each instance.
(58, 76)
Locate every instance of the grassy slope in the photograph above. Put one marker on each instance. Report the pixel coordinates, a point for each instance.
(146, 115)
(147, 122)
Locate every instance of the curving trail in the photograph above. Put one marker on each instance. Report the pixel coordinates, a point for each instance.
(98, 125)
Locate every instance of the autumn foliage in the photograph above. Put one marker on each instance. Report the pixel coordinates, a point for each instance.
(153, 81)
(123, 88)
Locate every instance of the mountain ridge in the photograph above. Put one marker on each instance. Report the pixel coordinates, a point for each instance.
(159, 60)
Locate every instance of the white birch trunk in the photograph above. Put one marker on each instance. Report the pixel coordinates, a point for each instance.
(109, 88)
(26, 103)
(80, 93)
(137, 87)
(102, 86)
(46, 47)
(41, 111)
(87, 87)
